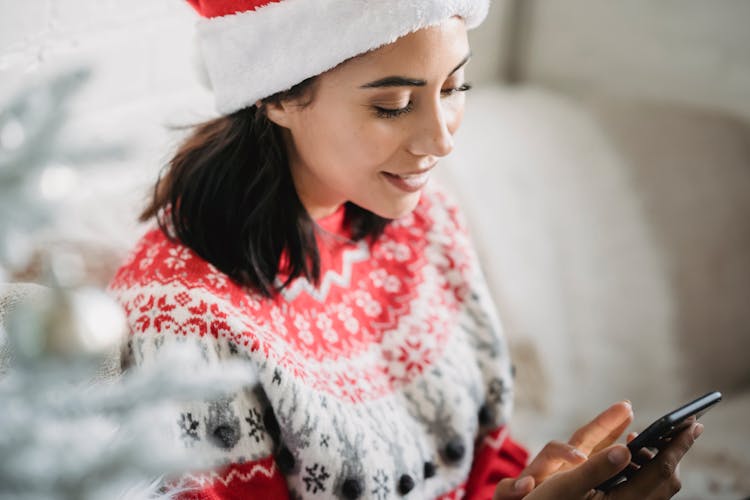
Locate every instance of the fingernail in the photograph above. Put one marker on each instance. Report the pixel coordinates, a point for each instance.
(578, 453)
(629, 405)
(617, 456)
(523, 484)
(697, 430)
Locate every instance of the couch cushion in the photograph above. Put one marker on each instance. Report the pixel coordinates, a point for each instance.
(569, 255)
(614, 235)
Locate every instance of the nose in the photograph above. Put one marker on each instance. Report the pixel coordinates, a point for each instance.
(434, 134)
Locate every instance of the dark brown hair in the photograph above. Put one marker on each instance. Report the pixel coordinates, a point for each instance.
(228, 194)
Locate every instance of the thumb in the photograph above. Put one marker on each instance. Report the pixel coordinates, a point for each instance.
(513, 489)
(597, 469)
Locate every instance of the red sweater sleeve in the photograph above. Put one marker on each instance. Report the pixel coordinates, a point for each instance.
(258, 479)
(496, 458)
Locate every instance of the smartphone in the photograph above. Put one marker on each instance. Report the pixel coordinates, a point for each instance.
(656, 435)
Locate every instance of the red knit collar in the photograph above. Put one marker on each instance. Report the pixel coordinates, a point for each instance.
(334, 223)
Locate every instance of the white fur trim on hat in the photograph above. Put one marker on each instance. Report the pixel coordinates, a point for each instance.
(254, 54)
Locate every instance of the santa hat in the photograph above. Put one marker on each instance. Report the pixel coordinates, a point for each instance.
(251, 49)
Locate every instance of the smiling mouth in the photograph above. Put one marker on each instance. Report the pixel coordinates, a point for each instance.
(413, 174)
(408, 182)
(408, 176)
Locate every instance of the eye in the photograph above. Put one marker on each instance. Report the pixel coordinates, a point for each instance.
(453, 90)
(392, 113)
(382, 112)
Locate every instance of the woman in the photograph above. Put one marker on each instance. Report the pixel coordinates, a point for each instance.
(298, 231)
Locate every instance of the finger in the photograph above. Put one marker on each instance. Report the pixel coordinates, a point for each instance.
(631, 436)
(604, 429)
(512, 489)
(597, 469)
(643, 456)
(661, 473)
(549, 460)
(625, 410)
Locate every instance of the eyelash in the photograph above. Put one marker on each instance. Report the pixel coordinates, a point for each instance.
(395, 113)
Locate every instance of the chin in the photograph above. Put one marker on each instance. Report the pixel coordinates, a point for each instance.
(397, 210)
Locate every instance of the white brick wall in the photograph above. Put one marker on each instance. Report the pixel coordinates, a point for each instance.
(134, 53)
(142, 80)
(140, 53)
(138, 49)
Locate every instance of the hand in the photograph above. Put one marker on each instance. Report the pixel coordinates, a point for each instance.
(556, 456)
(656, 479)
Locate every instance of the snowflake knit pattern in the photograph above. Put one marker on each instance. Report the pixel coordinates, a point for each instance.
(389, 379)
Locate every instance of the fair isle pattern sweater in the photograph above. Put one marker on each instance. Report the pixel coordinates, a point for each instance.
(389, 379)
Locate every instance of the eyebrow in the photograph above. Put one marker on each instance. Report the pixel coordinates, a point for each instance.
(402, 81)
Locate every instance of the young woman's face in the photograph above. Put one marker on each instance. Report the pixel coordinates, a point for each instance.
(378, 123)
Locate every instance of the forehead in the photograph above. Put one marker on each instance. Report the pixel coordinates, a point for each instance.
(431, 51)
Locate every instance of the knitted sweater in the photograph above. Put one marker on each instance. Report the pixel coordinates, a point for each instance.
(390, 379)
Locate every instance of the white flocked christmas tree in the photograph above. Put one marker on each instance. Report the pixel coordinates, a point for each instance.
(68, 428)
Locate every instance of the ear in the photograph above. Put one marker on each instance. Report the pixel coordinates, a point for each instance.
(279, 112)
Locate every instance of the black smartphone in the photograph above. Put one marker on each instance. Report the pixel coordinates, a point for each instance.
(656, 435)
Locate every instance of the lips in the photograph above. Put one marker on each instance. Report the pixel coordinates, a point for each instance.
(411, 182)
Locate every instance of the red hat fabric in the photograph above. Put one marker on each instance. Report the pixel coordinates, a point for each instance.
(252, 49)
(218, 8)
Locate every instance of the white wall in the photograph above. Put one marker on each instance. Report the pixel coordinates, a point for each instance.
(137, 48)
(142, 81)
(139, 51)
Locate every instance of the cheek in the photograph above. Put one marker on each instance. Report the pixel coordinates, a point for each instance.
(381, 139)
(360, 144)
(335, 139)
(323, 140)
